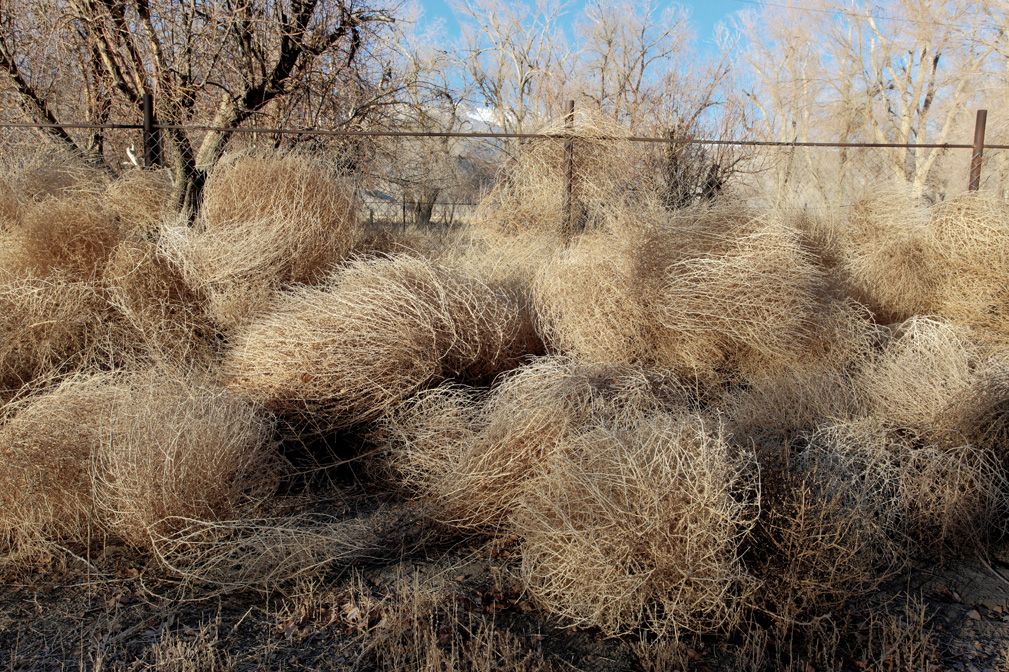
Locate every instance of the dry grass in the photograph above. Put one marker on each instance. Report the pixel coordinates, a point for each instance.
(166, 315)
(641, 527)
(377, 332)
(126, 454)
(198, 651)
(53, 325)
(429, 629)
(472, 458)
(706, 289)
(266, 222)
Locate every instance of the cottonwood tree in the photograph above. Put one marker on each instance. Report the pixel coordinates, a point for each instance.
(630, 55)
(633, 65)
(903, 72)
(516, 59)
(216, 62)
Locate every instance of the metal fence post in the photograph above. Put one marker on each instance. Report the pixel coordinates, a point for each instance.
(147, 137)
(569, 167)
(977, 151)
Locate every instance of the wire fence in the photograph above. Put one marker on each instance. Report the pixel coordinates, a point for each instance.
(430, 177)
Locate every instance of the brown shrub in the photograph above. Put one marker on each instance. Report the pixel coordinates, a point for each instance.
(895, 276)
(52, 325)
(641, 526)
(505, 260)
(260, 553)
(472, 458)
(778, 403)
(694, 293)
(166, 315)
(884, 210)
(971, 235)
(760, 295)
(980, 416)
(530, 197)
(266, 222)
(784, 403)
(10, 205)
(920, 372)
(828, 531)
(953, 498)
(49, 175)
(128, 454)
(180, 450)
(48, 444)
(887, 260)
(141, 199)
(380, 330)
(72, 234)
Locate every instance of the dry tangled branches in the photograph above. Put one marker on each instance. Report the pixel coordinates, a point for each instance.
(971, 237)
(889, 262)
(641, 526)
(920, 373)
(48, 448)
(166, 315)
(73, 235)
(530, 196)
(472, 457)
(177, 447)
(829, 526)
(141, 199)
(694, 293)
(266, 222)
(123, 453)
(376, 332)
(53, 325)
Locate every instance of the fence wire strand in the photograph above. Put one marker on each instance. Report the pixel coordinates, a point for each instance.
(406, 177)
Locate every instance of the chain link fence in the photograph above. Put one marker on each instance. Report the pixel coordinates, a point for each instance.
(441, 179)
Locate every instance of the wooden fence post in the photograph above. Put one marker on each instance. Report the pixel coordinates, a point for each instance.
(147, 138)
(569, 168)
(977, 151)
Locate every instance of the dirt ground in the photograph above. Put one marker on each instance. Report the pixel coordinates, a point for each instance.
(445, 603)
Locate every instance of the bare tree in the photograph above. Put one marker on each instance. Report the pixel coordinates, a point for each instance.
(516, 59)
(903, 71)
(630, 53)
(217, 60)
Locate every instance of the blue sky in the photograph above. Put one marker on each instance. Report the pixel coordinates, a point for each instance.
(704, 14)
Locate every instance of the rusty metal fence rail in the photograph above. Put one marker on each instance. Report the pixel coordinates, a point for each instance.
(440, 177)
